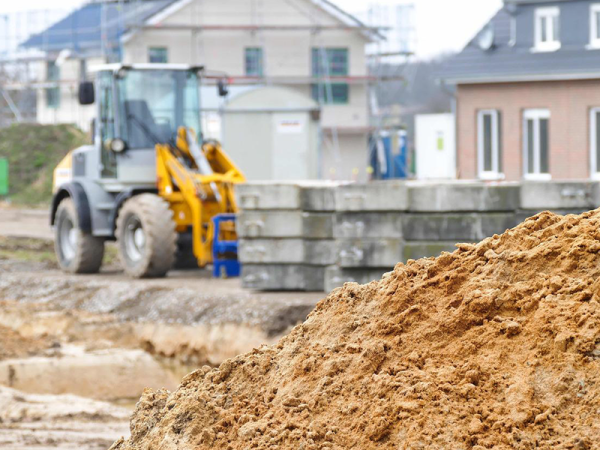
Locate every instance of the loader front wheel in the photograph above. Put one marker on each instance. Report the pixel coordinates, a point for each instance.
(76, 251)
(146, 236)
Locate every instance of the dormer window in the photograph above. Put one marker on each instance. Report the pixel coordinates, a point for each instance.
(547, 29)
(595, 25)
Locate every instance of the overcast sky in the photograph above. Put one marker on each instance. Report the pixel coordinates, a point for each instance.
(442, 25)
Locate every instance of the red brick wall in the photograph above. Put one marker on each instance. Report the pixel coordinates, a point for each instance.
(569, 103)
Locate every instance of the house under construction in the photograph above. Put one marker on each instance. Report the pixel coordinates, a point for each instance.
(310, 47)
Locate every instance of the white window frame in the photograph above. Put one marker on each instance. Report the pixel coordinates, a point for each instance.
(495, 173)
(536, 115)
(594, 163)
(594, 39)
(541, 16)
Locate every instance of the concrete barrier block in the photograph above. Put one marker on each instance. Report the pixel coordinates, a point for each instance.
(418, 250)
(466, 227)
(450, 197)
(281, 277)
(375, 196)
(368, 225)
(369, 252)
(318, 198)
(284, 224)
(267, 196)
(540, 196)
(336, 276)
(287, 251)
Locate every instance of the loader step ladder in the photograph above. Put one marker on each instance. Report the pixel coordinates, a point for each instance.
(225, 253)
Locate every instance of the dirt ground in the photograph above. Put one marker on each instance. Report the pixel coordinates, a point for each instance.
(107, 337)
(18, 222)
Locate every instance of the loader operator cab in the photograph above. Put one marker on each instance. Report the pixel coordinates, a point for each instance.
(137, 107)
(149, 181)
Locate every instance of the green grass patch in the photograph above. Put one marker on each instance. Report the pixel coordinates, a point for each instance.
(26, 249)
(33, 151)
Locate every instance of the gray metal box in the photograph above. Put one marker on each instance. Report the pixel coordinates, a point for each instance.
(284, 224)
(369, 252)
(368, 225)
(267, 196)
(281, 277)
(375, 196)
(450, 197)
(540, 196)
(465, 227)
(336, 276)
(287, 251)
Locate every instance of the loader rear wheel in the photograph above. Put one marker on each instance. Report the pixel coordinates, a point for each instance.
(76, 251)
(146, 236)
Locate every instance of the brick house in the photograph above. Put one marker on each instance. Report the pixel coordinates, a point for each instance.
(528, 93)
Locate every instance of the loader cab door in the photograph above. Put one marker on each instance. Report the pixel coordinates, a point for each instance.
(106, 125)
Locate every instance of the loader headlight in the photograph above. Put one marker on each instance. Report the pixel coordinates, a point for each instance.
(118, 145)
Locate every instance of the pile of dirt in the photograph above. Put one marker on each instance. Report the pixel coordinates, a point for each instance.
(496, 345)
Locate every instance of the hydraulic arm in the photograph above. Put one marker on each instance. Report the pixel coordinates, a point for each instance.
(198, 183)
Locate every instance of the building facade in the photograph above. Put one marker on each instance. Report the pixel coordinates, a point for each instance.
(309, 46)
(528, 94)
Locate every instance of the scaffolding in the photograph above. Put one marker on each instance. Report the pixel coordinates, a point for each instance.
(17, 66)
(25, 75)
(24, 72)
(389, 60)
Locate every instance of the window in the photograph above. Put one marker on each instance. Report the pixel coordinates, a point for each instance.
(254, 62)
(536, 144)
(106, 125)
(595, 25)
(595, 143)
(329, 63)
(161, 100)
(53, 93)
(547, 29)
(331, 93)
(158, 55)
(489, 145)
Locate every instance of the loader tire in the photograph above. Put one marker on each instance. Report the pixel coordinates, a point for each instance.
(146, 236)
(76, 251)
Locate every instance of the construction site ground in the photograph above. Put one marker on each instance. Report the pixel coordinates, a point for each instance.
(76, 351)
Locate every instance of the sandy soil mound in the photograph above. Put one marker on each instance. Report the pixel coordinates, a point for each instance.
(494, 346)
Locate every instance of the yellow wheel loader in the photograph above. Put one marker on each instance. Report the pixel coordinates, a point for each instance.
(148, 181)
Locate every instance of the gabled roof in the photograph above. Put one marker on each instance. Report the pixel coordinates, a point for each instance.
(516, 61)
(81, 31)
(328, 7)
(347, 18)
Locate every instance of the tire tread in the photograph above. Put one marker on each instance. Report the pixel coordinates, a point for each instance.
(161, 237)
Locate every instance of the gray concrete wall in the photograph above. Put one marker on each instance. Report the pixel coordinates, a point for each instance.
(318, 236)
